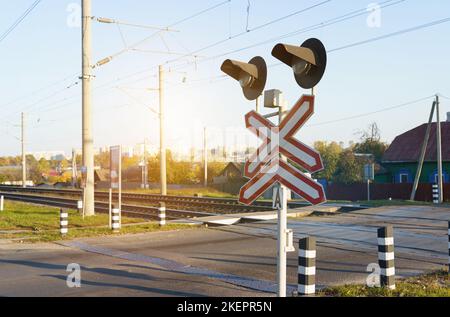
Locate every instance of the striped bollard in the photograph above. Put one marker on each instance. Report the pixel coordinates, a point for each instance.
(115, 219)
(2, 203)
(162, 214)
(307, 266)
(448, 233)
(63, 222)
(435, 194)
(386, 256)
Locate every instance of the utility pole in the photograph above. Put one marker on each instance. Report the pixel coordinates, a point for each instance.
(162, 145)
(423, 152)
(24, 159)
(205, 158)
(439, 151)
(87, 135)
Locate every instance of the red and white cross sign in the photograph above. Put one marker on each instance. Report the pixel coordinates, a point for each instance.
(264, 168)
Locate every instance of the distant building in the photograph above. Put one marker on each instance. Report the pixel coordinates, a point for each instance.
(49, 155)
(231, 173)
(400, 160)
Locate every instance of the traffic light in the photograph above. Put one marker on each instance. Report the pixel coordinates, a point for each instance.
(308, 61)
(252, 76)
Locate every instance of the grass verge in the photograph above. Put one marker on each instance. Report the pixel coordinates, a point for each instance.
(435, 284)
(34, 223)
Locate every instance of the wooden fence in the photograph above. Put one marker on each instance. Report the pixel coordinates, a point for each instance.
(358, 191)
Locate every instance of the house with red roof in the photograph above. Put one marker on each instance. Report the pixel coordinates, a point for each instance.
(400, 161)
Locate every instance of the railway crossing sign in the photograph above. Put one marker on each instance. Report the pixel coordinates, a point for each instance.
(265, 167)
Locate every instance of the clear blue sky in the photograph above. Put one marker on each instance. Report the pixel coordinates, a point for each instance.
(44, 49)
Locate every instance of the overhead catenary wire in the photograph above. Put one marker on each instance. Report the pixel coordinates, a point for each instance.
(33, 104)
(404, 31)
(386, 36)
(185, 19)
(19, 20)
(365, 42)
(118, 22)
(373, 112)
(44, 88)
(168, 27)
(325, 23)
(322, 24)
(254, 29)
(355, 44)
(416, 28)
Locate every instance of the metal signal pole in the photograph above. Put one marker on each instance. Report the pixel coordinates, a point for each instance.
(439, 151)
(87, 137)
(24, 159)
(282, 226)
(162, 145)
(257, 105)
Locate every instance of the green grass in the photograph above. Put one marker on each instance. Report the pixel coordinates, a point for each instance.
(34, 223)
(436, 284)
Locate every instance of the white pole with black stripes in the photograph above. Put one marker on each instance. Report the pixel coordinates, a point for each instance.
(162, 214)
(386, 256)
(307, 266)
(2, 203)
(435, 193)
(63, 222)
(115, 219)
(448, 234)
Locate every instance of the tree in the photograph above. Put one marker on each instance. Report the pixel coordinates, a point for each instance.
(102, 159)
(370, 143)
(348, 168)
(330, 153)
(372, 133)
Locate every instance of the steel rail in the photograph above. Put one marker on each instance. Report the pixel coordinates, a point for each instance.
(224, 204)
(146, 212)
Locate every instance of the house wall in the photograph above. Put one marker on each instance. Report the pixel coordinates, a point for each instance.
(429, 170)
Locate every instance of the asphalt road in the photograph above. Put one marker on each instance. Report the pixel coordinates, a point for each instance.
(227, 261)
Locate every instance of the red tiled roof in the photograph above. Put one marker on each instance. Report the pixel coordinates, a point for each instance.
(406, 147)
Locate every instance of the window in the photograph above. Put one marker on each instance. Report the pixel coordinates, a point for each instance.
(404, 178)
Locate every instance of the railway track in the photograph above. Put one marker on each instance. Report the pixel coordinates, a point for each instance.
(138, 211)
(200, 204)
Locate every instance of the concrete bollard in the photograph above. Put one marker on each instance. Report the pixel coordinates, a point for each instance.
(2, 203)
(307, 266)
(386, 256)
(115, 219)
(435, 194)
(63, 222)
(162, 214)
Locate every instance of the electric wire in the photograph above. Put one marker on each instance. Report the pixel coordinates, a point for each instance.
(19, 20)
(372, 112)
